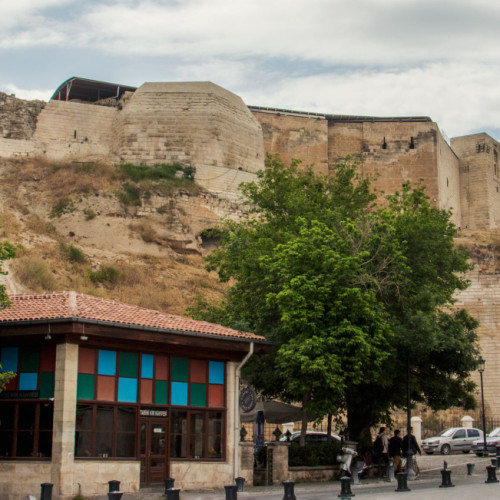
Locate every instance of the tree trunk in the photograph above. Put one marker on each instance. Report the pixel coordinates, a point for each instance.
(303, 430)
(329, 429)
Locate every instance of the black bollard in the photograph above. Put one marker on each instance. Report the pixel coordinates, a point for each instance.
(46, 491)
(470, 469)
(345, 488)
(231, 492)
(288, 487)
(115, 495)
(172, 493)
(113, 486)
(402, 478)
(169, 483)
(492, 475)
(446, 479)
(240, 483)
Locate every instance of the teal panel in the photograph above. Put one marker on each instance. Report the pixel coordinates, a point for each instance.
(198, 396)
(9, 359)
(180, 368)
(85, 386)
(147, 366)
(161, 392)
(28, 361)
(128, 364)
(127, 389)
(216, 372)
(28, 381)
(47, 381)
(179, 394)
(106, 364)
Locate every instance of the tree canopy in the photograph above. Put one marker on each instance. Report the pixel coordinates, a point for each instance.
(348, 291)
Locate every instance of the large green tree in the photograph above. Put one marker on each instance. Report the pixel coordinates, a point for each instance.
(345, 290)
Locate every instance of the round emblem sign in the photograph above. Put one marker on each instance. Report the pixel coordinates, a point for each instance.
(247, 399)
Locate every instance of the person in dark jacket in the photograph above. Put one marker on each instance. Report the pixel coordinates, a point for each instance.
(413, 447)
(396, 450)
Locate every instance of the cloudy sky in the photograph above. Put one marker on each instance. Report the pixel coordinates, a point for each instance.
(437, 58)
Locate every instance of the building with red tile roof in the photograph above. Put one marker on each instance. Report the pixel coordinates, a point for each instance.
(110, 391)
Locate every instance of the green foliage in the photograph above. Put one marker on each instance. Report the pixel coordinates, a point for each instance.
(35, 275)
(130, 195)
(347, 292)
(72, 253)
(89, 214)
(61, 207)
(105, 274)
(313, 455)
(5, 377)
(7, 251)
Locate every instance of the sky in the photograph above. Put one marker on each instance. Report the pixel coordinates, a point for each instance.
(389, 58)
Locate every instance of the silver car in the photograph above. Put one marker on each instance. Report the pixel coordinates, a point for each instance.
(454, 439)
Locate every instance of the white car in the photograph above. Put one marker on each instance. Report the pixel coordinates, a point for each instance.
(454, 439)
(312, 437)
(492, 441)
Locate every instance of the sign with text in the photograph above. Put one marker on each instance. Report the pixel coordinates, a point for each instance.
(151, 412)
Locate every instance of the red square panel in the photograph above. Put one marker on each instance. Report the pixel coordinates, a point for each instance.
(161, 368)
(146, 390)
(48, 359)
(86, 360)
(12, 385)
(198, 371)
(105, 388)
(215, 396)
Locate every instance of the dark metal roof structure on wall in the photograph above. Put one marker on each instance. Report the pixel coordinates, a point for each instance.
(81, 89)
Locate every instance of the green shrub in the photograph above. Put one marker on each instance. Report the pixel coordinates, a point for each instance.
(62, 206)
(72, 253)
(138, 173)
(35, 275)
(89, 214)
(130, 195)
(313, 455)
(105, 274)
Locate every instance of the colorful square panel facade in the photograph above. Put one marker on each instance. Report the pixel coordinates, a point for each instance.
(114, 376)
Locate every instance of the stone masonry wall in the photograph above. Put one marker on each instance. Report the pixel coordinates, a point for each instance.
(18, 117)
(295, 137)
(479, 180)
(20, 478)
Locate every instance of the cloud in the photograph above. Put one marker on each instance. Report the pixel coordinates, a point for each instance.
(27, 94)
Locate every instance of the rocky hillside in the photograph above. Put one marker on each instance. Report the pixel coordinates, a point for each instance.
(105, 231)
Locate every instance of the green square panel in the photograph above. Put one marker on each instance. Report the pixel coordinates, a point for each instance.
(161, 392)
(180, 369)
(47, 385)
(29, 360)
(85, 387)
(128, 364)
(198, 396)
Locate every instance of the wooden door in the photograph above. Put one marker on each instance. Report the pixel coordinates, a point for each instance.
(153, 451)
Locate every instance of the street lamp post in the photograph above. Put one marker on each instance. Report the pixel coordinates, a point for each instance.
(481, 364)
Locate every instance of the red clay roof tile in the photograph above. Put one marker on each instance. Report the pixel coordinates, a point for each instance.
(60, 305)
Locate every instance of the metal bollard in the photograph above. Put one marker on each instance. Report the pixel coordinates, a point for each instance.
(389, 478)
(172, 493)
(470, 469)
(494, 462)
(240, 483)
(113, 486)
(231, 492)
(402, 478)
(114, 495)
(46, 491)
(288, 487)
(492, 476)
(345, 488)
(169, 483)
(446, 479)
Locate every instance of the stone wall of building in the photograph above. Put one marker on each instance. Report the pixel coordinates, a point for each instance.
(479, 180)
(295, 136)
(19, 478)
(18, 117)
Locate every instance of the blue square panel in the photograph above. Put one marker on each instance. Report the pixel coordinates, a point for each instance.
(179, 394)
(107, 363)
(28, 381)
(127, 389)
(216, 372)
(9, 359)
(147, 366)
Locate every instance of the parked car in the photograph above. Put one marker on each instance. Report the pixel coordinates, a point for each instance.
(312, 437)
(492, 441)
(454, 439)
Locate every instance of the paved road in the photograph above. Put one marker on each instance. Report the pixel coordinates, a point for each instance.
(427, 486)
